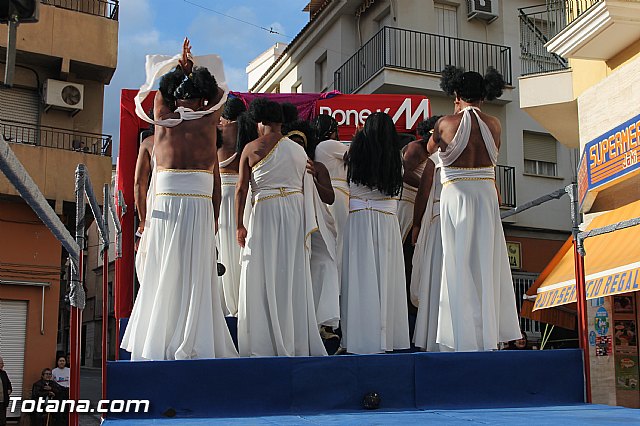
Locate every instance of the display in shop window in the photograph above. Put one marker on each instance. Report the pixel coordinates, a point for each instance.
(623, 304)
(625, 333)
(626, 372)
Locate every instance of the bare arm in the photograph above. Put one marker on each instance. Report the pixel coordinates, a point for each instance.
(322, 179)
(160, 109)
(242, 188)
(217, 190)
(410, 161)
(424, 189)
(141, 181)
(434, 141)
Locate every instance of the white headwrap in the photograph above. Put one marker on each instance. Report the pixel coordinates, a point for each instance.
(158, 65)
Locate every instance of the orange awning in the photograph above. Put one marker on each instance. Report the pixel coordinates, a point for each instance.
(612, 263)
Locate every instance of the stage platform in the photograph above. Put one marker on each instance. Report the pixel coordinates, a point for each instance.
(559, 415)
(537, 387)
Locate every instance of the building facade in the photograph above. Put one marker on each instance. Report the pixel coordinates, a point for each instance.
(583, 87)
(52, 119)
(400, 47)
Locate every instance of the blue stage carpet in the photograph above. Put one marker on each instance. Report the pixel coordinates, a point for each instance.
(562, 415)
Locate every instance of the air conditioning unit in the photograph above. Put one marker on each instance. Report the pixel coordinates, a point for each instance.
(63, 95)
(486, 10)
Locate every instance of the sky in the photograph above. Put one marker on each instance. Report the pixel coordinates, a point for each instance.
(159, 26)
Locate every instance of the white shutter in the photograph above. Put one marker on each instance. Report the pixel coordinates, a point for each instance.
(447, 19)
(539, 147)
(13, 332)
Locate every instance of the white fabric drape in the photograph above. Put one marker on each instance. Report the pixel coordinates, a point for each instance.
(374, 303)
(158, 65)
(477, 305)
(276, 315)
(177, 313)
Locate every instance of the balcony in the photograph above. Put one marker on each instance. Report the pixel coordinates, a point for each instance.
(105, 8)
(538, 25)
(414, 51)
(596, 29)
(50, 156)
(52, 137)
(506, 183)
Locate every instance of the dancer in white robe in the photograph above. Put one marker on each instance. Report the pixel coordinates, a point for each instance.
(276, 315)
(477, 305)
(426, 275)
(374, 316)
(414, 161)
(331, 152)
(228, 248)
(324, 266)
(144, 190)
(177, 313)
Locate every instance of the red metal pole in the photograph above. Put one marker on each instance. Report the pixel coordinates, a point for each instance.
(105, 319)
(583, 325)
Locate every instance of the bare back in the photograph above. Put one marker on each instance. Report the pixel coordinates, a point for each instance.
(228, 148)
(189, 145)
(475, 154)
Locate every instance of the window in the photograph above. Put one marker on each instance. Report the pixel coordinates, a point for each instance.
(321, 73)
(540, 154)
(447, 19)
(297, 87)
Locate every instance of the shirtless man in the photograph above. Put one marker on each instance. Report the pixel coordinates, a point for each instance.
(177, 313)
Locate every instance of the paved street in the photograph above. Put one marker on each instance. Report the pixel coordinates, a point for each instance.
(90, 388)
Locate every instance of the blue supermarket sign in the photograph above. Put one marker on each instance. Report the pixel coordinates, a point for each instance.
(608, 158)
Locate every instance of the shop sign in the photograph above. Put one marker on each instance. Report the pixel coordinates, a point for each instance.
(611, 157)
(515, 255)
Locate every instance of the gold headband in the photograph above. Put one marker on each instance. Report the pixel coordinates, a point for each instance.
(298, 133)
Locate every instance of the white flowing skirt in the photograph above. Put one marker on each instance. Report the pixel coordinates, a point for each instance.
(340, 212)
(478, 307)
(177, 313)
(276, 315)
(405, 210)
(374, 315)
(228, 247)
(425, 283)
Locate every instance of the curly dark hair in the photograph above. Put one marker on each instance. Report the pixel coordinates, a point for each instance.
(262, 110)
(425, 127)
(175, 85)
(374, 157)
(233, 108)
(325, 125)
(470, 86)
(304, 127)
(289, 112)
(247, 131)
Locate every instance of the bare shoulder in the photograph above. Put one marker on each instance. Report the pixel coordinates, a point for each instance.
(492, 121)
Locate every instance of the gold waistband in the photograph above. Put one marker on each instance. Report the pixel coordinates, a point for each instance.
(178, 194)
(463, 179)
(185, 171)
(283, 193)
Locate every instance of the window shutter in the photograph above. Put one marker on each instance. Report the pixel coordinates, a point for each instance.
(540, 147)
(13, 332)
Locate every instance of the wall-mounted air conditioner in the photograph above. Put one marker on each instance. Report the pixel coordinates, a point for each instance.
(486, 10)
(63, 95)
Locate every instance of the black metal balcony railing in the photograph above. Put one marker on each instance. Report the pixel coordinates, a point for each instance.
(539, 24)
(105, 8)
(52, 137)
(506, 183)
(418, 51)
(572, 8)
